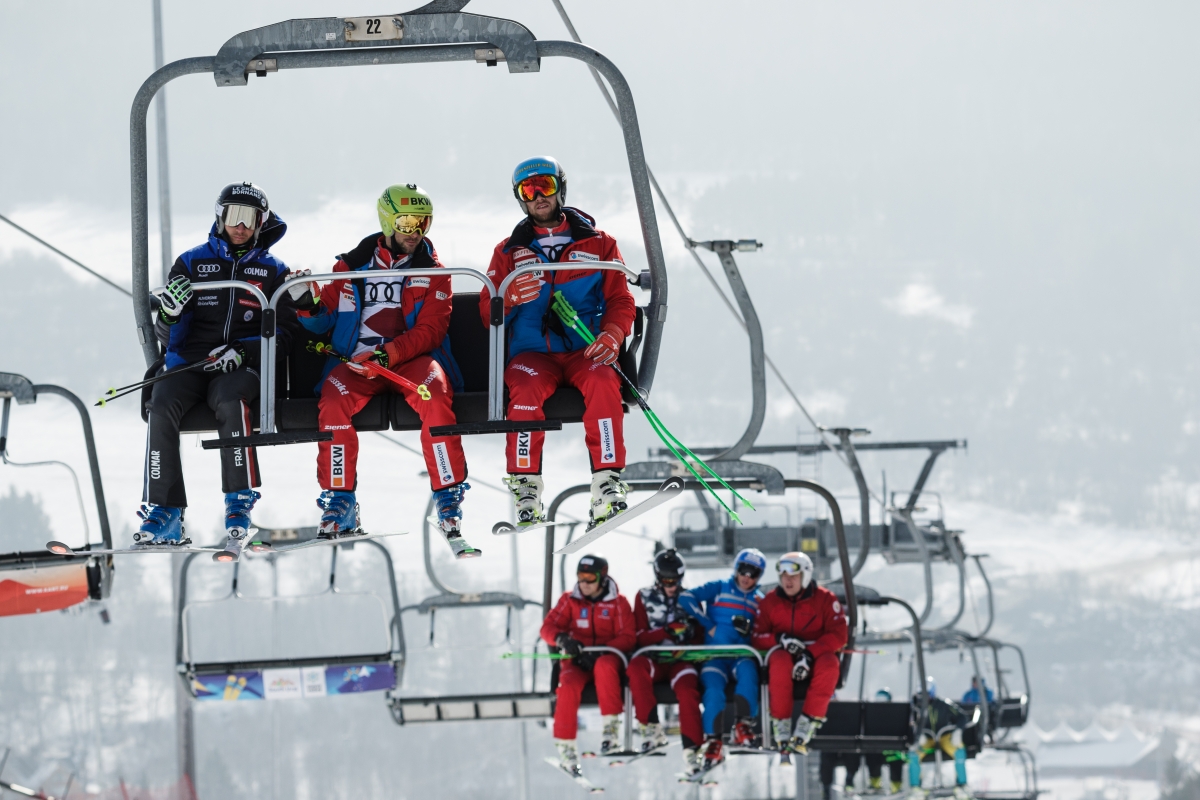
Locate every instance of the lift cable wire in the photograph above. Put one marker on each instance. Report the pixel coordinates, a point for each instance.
(58, 252)
(687, 241)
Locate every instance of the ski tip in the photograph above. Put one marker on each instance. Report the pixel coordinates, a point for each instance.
(672, 484)
(502, 529)
(59, 549)
(224, 557)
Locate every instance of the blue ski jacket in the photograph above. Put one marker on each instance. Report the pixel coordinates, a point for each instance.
(222, 316)
(724, 601)
(600, 297)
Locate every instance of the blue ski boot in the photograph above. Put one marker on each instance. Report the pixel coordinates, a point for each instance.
(237, 523)
(341, 514)
(161, 525)
(237, 512)
(449, 519)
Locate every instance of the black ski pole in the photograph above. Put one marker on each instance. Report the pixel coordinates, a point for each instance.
(113, 394)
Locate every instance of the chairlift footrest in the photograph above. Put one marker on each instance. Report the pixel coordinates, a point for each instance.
(267, 440)
(496, 426)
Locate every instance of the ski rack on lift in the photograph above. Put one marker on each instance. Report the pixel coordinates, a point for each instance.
(395, 656)
(99, 569)
(451, 598)
(436, 32)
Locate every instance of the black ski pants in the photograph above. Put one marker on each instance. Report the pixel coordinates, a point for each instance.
(229, 395)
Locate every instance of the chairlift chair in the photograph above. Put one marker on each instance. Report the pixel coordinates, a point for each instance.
(436, 32)
(89, 578)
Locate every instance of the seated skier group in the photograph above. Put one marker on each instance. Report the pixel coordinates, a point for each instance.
(801, 623)
(383, 330)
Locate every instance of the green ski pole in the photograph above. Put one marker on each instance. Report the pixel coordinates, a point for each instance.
(568, 315)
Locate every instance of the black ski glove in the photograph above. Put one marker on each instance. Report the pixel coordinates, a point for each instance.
(802, 669)
(568, 645)
(743, 625)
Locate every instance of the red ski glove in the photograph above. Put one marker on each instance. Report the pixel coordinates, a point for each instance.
(524, 289)
(607, 345)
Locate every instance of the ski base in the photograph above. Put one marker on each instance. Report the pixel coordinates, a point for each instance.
(60, 549)
(661, 750)
(349, 537)
(579, 779)
(670, 489)
(507, 528)
(467, 552)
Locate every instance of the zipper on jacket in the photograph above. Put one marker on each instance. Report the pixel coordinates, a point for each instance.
(232, 296)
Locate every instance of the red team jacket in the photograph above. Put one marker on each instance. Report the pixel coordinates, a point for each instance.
(814, 616)
(617, 308)
(605, 621)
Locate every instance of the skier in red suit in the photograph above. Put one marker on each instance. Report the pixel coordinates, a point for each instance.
(809, 624)
(544, 354)
(593, 613)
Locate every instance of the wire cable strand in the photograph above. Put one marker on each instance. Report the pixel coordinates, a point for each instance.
(58, 252)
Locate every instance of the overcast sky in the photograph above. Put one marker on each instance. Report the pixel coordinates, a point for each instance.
(978, 220)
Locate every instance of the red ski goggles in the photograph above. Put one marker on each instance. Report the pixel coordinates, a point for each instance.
(531, 187)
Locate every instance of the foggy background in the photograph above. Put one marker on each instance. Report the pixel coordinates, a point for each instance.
(979, 223)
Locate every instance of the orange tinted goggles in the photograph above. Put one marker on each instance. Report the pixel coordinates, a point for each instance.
(531, 187)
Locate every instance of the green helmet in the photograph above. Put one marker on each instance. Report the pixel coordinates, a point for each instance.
(405, 208)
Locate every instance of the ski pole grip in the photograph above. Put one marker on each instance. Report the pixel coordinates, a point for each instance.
(497, 312)
(268, 323)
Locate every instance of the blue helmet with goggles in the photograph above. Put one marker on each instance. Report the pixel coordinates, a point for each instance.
(536, 167)
(750, 561)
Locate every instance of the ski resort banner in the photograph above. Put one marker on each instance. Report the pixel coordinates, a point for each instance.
(293, 683)
(36, 591)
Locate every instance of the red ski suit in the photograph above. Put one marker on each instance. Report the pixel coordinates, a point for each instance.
(541, 361)
(644, 671)
(607, 621)
(815, 617)
(420, 323)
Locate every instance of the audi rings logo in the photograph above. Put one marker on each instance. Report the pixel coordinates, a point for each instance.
(381, 292)
(208, 269)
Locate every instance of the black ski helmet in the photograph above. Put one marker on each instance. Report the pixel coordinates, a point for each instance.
(595, 565)
(242, 194)
(669, 564)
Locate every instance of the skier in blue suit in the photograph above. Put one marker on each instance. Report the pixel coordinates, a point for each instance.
(731, 606)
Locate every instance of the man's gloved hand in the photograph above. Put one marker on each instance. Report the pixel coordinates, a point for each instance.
(568, 645)
(383, 355)
(679, 631)
(802, 669)
(791, 644)
(524, 289)
(607, 345)
(743, 625)
(175, 295)
(304, 294)
(226, 358)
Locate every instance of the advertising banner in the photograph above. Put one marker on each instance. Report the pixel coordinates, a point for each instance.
(36, 591)
(282, 684)
(229, 686)
(360, 678)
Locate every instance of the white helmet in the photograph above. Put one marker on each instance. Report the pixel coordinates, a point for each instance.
(796, 563)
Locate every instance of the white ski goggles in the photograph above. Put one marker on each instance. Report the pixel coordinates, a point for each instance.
(233, 215)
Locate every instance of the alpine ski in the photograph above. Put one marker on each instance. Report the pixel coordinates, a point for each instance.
(671, 488)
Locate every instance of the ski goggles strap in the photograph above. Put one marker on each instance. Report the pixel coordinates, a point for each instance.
(410, 224)
(529, 188)
(234, 215)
